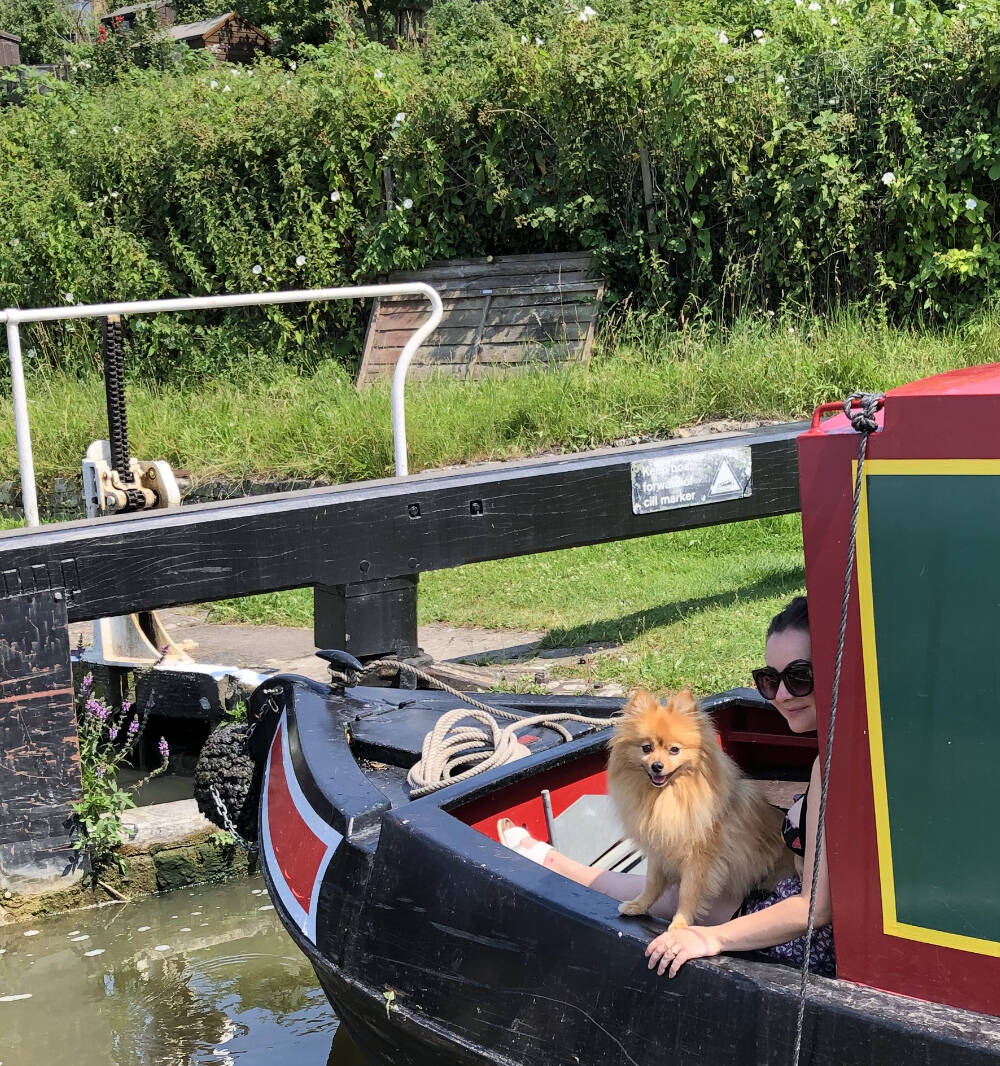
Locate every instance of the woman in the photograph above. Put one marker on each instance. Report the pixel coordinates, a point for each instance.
(773, 923)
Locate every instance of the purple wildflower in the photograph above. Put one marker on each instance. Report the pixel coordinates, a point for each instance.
(87, 684)
(112, 732)
(150, 703)
(133, 726)
(163, 748)
(99, 771)
(126, 707)
(97, 709)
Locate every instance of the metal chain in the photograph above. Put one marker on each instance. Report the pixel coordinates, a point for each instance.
(864, 422)
(227, 822)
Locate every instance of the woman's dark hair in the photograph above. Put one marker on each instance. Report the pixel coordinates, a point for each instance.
(794, 615)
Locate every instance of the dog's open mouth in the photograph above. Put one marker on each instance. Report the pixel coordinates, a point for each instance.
(661, 779)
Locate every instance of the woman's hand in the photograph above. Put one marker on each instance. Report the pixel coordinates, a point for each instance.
(674, 947)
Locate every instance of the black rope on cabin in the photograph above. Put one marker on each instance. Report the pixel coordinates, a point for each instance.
(113, 354)
(860, 408)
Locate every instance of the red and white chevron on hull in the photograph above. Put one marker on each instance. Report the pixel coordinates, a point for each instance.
(298, 845)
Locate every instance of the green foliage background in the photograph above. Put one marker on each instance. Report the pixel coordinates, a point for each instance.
(806, 154)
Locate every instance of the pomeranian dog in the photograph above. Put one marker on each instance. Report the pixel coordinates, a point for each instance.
(700, 823)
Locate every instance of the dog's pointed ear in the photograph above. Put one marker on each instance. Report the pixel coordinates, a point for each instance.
(684, 703)
(639, 702)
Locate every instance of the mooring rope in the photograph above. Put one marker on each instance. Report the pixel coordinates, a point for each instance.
(863, 421)
(454, 743)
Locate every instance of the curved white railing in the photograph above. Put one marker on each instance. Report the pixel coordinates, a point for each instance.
(13, 317)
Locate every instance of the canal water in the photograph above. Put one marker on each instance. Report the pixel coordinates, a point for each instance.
(198, 976)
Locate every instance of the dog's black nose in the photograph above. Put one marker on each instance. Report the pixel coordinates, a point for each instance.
(657, 768)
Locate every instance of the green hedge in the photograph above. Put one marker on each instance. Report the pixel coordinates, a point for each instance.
(804, 155)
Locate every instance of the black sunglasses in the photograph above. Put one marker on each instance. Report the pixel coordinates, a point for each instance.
(797, 676)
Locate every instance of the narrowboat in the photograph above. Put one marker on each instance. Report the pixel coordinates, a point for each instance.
(435, 944)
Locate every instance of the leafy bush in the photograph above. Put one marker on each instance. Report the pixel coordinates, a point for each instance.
(803, 154)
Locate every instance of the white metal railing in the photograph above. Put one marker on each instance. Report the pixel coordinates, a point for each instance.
(13, 317)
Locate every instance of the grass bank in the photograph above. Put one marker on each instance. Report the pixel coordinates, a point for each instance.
(645, 379)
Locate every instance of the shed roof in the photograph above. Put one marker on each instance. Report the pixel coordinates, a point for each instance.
(10, 36)
(187, 30)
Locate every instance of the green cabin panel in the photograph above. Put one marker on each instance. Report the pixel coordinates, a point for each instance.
(934, 543)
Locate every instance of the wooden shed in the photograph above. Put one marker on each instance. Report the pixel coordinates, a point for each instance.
(10, 49)
(228, 37)
(505, 313)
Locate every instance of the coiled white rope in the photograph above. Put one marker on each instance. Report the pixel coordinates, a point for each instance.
(455, 743)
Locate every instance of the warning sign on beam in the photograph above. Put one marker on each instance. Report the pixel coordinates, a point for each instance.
(691, 479)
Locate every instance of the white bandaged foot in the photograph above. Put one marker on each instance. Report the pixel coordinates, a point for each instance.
(518, 839)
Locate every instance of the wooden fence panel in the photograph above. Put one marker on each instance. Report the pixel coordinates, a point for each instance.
(501, 314)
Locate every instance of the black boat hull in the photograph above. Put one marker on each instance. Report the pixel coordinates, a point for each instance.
(436, 945)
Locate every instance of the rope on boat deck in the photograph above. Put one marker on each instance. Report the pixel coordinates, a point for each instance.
(863, 421)
(453, 743)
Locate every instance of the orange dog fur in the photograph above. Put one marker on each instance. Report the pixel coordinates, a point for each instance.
(698, 820)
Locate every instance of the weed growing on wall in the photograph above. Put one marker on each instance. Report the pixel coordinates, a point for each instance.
(108, 738)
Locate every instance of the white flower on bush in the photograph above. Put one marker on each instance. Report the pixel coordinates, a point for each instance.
(213, 84)
(227, 89)
(72, 131)
(586, 14)
(539, 42)
(723, 39)
(780, 79)
(256, 269)
(399, 119)
(730, 79)
(15, 242)
(834, 22)
(334, 196)
(378, 75)
(407, 204)
(960, 7)
(971, 204)
(300, 260)
(293, 65)
(31, 353)
(524, 39)
(814, 6)
(116, 129)
(68, 297)
(114, 195)
(888, 178)
(759, 34)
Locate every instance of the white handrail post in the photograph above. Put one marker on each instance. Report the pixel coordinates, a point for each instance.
(14, 316)
(25, 460)
(399, 378)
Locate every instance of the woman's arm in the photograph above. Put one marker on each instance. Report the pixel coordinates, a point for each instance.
(773, 925)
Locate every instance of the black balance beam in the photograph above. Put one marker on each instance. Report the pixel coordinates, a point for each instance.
(376, 529)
